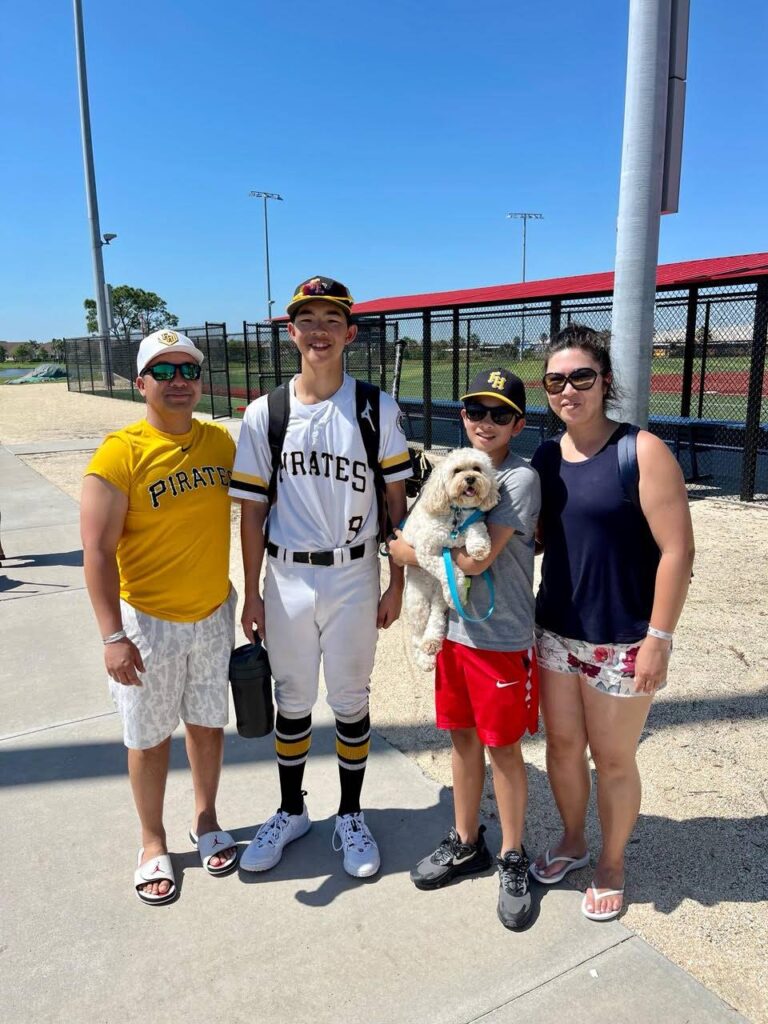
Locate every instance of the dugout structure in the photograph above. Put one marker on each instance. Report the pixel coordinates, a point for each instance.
(708, 386)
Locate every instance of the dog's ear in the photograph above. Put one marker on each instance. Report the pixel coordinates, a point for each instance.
(435, 495)
(491, 499)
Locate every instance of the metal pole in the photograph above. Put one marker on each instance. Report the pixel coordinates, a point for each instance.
(90, 191)
(266, 258)
(637, 240)
(525, 217)
(755, 394)
(265, 196)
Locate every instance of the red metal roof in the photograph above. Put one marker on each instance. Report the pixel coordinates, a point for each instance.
(668, 275)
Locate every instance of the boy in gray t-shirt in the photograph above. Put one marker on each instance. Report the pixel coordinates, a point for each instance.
(486, 678)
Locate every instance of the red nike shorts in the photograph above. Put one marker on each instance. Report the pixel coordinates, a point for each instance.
(495, 692)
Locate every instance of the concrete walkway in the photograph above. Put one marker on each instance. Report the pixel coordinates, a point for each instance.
(301, 944)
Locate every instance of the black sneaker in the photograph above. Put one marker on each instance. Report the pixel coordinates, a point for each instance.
(450, 860)
(514, 907)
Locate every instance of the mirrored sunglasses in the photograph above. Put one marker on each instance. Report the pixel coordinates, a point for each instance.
(582, 379)
(167, 371)
(500, 415)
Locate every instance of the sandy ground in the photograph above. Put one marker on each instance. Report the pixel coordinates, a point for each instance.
(697, 864)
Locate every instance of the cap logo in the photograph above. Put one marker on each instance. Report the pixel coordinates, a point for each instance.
(497, 381)
(167, 337)
(314, 287)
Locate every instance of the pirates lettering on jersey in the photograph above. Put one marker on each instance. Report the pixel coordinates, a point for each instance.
(176, 484)
(335, 467)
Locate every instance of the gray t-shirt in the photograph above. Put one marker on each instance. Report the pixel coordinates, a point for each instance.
(510, 627)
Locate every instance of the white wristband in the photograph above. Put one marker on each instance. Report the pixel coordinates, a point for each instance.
(660, 634)
(114, 637)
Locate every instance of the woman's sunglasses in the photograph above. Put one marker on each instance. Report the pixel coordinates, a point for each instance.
(167, 371)
(582, 379)
(500, 416)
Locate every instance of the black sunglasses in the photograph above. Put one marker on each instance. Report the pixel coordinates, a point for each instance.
(500, 416)
(582, 379)
(167, 371)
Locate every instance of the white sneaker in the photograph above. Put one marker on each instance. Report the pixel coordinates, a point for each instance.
(361, 854)
(266, 847)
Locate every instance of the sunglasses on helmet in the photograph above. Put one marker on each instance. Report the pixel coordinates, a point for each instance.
(501, 416)
(582, 379)
(167, 371)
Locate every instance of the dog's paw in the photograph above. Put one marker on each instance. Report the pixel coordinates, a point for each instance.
(425, 661)
(431, 646)
(478, 551)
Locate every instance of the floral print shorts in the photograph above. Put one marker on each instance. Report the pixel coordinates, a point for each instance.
(608, 667)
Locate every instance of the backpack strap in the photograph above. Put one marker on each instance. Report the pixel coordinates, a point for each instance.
(367, 398)
(629, 468)
(279, 408)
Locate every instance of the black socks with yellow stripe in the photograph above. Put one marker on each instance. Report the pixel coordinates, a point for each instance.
(293, 738)
(353, 741)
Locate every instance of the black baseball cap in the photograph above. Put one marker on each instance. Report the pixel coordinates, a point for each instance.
(501, 384)
(321, 288)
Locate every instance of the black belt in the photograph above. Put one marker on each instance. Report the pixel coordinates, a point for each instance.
(313, 557)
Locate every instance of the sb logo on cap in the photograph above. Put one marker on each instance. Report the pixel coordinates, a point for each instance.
(497, 381)
(168, 337)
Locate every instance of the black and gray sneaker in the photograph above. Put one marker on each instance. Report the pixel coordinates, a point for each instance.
(514, 907)
(450, 860)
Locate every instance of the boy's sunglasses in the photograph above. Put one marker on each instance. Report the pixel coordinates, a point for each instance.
(167, 371)
(500, 416)
(582, 379)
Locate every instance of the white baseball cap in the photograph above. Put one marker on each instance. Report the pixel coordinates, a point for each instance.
(161, 343)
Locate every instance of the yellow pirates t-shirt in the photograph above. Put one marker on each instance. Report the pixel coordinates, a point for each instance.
(173, 555)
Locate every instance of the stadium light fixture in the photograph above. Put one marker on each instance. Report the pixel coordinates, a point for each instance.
(525, 217)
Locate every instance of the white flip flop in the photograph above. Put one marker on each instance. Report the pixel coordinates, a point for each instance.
(156, 869)
(209, 844)
(571, 864)
(607, 915)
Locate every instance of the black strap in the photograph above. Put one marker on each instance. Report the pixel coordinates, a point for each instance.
(279, 408)
(629, 468)
(367, 398)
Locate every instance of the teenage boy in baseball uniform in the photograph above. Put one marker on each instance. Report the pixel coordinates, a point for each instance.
(155, 526)
(321, 591)
(486, 679)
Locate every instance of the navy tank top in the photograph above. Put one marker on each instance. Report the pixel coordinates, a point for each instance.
(600, 558)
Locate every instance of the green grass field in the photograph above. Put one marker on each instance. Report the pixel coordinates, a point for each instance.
(714, 406)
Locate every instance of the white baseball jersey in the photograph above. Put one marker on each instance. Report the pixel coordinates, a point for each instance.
(325, 489)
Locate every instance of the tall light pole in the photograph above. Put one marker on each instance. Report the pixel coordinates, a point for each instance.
(265, 196)
(90, 189)
(657, 54)
(524, 217)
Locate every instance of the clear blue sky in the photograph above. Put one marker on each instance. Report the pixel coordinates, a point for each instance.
(399, 134)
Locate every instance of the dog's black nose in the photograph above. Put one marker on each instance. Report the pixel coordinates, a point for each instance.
(469, 480)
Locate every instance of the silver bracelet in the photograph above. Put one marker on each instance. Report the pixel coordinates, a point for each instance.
(114, 637)
(660, 634)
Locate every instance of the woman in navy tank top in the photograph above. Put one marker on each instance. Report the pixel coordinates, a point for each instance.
(614, 580)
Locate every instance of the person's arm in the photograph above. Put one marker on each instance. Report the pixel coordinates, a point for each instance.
(252, 517)
(664, 501)
(103, 508)
(391, 600)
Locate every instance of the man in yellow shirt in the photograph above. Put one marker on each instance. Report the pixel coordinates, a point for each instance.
(155, 528)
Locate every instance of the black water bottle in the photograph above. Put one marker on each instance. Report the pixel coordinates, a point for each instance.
(251, 680)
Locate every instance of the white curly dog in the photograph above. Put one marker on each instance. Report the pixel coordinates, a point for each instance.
(462, 482)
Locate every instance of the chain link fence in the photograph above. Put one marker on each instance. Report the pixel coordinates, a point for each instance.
(708, 381)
